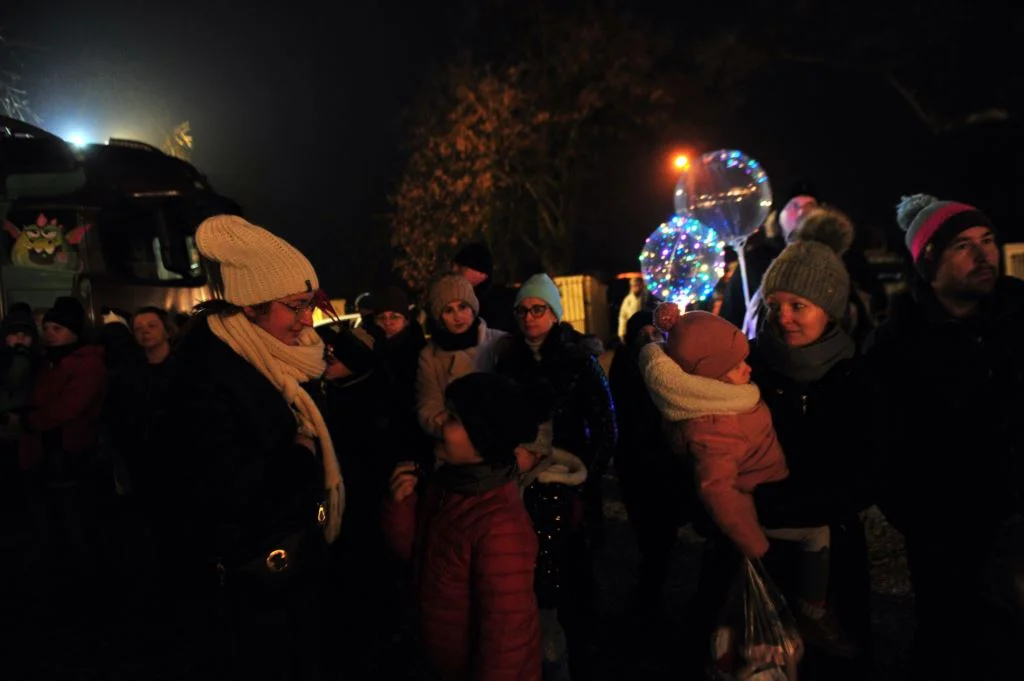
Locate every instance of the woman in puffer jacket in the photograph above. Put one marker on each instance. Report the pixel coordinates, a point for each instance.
(567, 386)
(460, 344)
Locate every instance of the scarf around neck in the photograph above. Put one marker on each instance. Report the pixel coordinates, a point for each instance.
(811, 362)
(450, 342)
(286, 366)
(475, 478)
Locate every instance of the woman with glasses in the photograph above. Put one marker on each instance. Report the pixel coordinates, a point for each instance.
(569, 389)
(460, 344)
(251, 488)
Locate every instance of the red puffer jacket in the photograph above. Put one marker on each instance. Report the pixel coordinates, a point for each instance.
(474, 554)
(63, 425)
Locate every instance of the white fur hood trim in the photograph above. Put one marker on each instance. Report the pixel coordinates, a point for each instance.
(680, 396)
(565, 469)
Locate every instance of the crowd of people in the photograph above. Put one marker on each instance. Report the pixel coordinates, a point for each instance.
(445, 478)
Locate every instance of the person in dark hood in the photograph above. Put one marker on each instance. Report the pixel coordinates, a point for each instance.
(20, 361)
(951, 357)
(475, 263)
(375, 409)
(20, 356)
(656, 488)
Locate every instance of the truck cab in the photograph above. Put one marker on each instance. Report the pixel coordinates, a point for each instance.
(110, 224)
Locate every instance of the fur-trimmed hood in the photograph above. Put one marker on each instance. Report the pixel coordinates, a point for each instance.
(559, 467)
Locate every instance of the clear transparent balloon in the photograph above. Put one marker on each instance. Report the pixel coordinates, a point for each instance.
(682, 260)
(726, 190)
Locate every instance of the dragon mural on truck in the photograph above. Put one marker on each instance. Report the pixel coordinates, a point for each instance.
(45, 244)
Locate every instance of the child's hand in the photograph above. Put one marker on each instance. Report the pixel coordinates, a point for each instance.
(403, 481)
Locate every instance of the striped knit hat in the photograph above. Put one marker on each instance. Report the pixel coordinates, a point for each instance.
(931, 224)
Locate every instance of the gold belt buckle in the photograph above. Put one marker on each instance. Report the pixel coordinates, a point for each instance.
(277, 560)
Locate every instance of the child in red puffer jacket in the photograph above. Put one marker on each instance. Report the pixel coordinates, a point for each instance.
(471, 541)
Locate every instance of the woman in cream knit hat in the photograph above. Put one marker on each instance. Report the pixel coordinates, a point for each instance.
(460, 344)
(253, 488)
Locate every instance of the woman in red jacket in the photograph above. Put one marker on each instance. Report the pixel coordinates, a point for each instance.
(471, 540)
(60, 432)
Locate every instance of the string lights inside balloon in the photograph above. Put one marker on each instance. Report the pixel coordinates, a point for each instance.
(682, 260)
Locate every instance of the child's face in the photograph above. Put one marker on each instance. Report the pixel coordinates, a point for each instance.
(738, 375)
(456, 447)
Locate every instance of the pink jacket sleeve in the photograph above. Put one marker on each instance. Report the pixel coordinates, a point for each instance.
(717, 448)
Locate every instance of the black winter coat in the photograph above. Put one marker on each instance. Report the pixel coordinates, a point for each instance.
(830, 431)
(235, 482)
(957, 389)
(569, 386)
(132, 418)
(831, 434)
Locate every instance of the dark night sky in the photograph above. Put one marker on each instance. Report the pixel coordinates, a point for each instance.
(296, 114)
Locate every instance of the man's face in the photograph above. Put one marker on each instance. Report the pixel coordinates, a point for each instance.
(969, 266)
(636, 285)
(474, 277)
(793, 212)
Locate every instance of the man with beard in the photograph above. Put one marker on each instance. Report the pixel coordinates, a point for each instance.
(952, 357)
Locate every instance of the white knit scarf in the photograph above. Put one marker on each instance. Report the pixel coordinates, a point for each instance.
(286, 366)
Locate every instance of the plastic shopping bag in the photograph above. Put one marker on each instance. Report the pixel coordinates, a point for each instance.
(756, 638)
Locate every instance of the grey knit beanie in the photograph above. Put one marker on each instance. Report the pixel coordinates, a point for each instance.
(448, 288)
(811, 266)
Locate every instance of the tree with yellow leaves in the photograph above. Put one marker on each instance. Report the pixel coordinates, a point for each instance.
(501, 150)
(178, 142)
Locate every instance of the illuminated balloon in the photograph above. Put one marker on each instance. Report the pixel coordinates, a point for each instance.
(726, 190)
(682, 261)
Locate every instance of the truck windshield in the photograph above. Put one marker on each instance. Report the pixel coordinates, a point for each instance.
(151, 241)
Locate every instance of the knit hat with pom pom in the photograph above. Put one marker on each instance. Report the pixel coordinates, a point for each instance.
(701, 343)
(255, 266)
(931, 224)
(812, 266)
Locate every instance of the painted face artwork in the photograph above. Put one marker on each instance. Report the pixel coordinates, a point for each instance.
(44, 244)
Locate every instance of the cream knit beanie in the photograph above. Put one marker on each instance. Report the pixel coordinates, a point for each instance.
(255, 266)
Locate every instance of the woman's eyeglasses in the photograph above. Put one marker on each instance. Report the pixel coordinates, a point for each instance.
(299, 308)
(535, 311)
(386, 317)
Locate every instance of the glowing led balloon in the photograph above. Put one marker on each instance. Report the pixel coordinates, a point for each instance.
(726, 190)
(682, 261)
